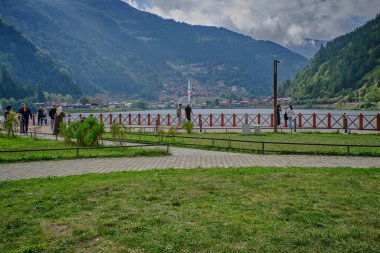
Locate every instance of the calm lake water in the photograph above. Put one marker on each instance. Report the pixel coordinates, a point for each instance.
(243, 111)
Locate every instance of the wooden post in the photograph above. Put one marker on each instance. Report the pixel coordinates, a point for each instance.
(222, 119)
(34, 119)
(80, 116)
(148, 119)
(344, 121)
(299, 120)
(210, 119)
(111, 121)
(314, 120)
(259, 119)
(378, 122)
(139, 119)
(129, 119)
(101, 118)
(271, 120)
(168, 122)
(360, 121)
(329, 121)
(234, 120)
(120, 119)
(158, 119)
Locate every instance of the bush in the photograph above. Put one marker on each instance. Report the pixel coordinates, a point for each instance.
(11, 123)
(118, 132)
(188, 126)
(172, 131)
(87, 132)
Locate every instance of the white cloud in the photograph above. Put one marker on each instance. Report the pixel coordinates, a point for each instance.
(286, 22)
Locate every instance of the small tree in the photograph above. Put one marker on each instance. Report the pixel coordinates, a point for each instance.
(188, 126)
(11, 123)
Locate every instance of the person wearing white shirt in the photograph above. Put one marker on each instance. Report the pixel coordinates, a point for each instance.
(290, 114)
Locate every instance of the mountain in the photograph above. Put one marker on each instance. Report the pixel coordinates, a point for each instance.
(108, 46)
(348, 66)
(30, 66)
(9, 87)
(309, 48)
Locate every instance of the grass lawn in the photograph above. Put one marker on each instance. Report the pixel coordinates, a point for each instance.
(322, 138)
(22, 143)
(215, 210)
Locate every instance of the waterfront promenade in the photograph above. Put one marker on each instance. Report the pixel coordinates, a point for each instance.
(181, 158)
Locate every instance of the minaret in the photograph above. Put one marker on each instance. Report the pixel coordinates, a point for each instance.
(188, 92)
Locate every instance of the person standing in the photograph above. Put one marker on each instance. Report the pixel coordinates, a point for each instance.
(26, 114)
(40, 114)
(188, 112)
(290, 114)
(52, 114)
(279, 115)
(179, 115)
(60, 115)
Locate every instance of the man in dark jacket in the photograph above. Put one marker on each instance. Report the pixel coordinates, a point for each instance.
(26, 114)
(52, 114)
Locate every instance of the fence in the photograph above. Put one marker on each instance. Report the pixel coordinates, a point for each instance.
(257, 146)
(304, 121)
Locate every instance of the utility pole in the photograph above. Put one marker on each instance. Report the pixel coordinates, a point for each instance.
(275, 94)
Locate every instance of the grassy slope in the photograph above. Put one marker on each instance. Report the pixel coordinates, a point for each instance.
(217, 210)
(324, 138)
(19, 143)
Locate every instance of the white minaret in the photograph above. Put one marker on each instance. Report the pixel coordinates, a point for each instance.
(189, 92)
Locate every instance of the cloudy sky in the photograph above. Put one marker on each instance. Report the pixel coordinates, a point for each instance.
(286, 22)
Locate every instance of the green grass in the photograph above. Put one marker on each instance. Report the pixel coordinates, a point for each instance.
(23, 143)
(321, 138)
(215, 210)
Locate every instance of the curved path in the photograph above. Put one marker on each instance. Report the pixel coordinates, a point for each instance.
(181, 158)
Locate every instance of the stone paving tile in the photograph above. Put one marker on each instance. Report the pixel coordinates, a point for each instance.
(40, 169)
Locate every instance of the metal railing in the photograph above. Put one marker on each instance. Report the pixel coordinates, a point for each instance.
(262, 144)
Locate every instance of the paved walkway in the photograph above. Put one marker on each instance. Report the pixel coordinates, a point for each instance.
(181, 159)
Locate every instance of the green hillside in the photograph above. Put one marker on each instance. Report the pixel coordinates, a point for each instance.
(347, 69)
(20, 59)
(108, 46)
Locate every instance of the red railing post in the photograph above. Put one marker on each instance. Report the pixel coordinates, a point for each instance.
(360, 121)
(299, 120)
(210, 119)
(378, 122)
(259, 119)
(129, 119)
(139, 119)
(234, 120)
(101, 118)
(344, 121)
(329, 121)
(168, 122)
(158, 119)
(314, 120)
(148, 119)
(111, 121)
(120, 119)
(80, 116)
(271, 120)
(222, 119)
(200, 122)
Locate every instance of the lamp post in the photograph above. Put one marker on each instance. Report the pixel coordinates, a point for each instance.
(275, 94)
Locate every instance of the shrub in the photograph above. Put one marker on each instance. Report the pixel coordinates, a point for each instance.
(87, 132)
(11, 123)
(172, 131)
(118, 132)
(188, 126)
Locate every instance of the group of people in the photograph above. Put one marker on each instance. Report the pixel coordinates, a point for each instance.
(25, 116)
(288, 115)
(188, 113)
